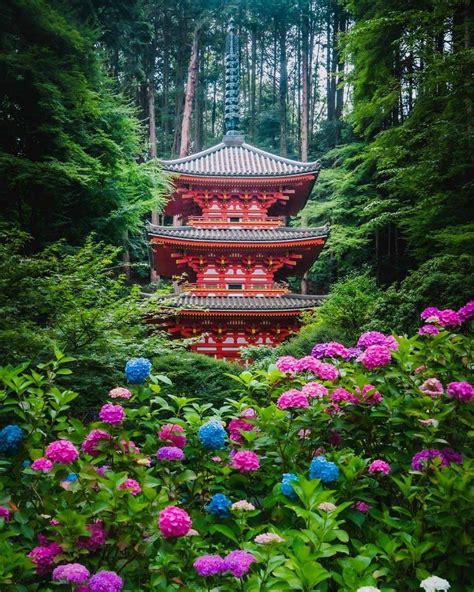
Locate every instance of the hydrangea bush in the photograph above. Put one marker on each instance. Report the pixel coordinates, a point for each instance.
(346, 470)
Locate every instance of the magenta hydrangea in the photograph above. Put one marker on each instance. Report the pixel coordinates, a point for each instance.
(131, 486)
(308, 363)
(105, 581)
(236, 427)
(245, 461)
(371, 338)
(292, 399)
(174, 434)
(369, 395)
(5, 513)
(336, 350)
(423, 459)
(43, 556)
(170, 453)
(238, 562)
(112, 414)
(62, 451)
(341, 395)
(432, 387)
(174, 522)
(91, 444)
(379, 466)
(120, 392)
(466, 312)
(96, 539)
(326, 372)
(430, 313)
(449, 318)
(42, 464)
(376, 356)
(314, 389)
(74, 573)
(428, 330)
(361, 507)
(463, 391)
(209, 565)
(286, 364)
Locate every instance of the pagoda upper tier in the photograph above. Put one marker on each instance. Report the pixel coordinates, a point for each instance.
(234, 181)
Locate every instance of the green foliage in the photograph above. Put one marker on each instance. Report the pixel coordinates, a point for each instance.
(416, 525)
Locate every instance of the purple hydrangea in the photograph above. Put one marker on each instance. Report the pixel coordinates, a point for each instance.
(463, 391)
(466, 312)
(376, 356)
(430, 312)
(371, 338)
(422, 459)
(209, 565)
(319, 350)
(238, 562)
(75, 573)
(170, 453)
(106, 581)
(428, 330)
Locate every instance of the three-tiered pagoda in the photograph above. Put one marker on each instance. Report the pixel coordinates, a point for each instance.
(230, 242)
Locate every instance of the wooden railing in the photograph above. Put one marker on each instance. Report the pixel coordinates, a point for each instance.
(268, 222)
(269, 289)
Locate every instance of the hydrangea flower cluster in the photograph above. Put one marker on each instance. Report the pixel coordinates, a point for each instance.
(120, 393)
(268, 538)
(340, 395)
(286, 364)
(332, 349)
(219, 506)
(209, 565)
(370, 338)
(361, 507)
(292, 399)
(174, 522)
(43, 556)
(96, 539)
(173, 434)
(131, 485)
(375, 356)
(112, 414)
(5, 513)
(62, 451)
(236, 427)
(369, 395)
(105, 581)
(422, 459)
(463, 391)
(444, 318)
(286, 487)
(323, 469)
(91, 444)
(169, 453)
(435, 584)
(327, 507)
(42, 465)
(238, 562)
(314, 389)
(242, 506)
(466, 312)
(212, 435)
(74, 573)
(379, 466)
(245, 461)
(428, 330)
(432, 387)
(11, 437)
(137, 370)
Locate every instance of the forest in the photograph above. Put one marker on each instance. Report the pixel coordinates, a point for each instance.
(337, 461)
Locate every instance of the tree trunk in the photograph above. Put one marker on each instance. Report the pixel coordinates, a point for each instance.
(283, 92)
(151, 119)
(330, 106)
(126, 255)
(189, 96)
(339, 85)
(304, 279)
(253, 83)
(304, 82)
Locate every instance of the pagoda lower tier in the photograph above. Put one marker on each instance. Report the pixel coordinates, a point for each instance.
(224, 324)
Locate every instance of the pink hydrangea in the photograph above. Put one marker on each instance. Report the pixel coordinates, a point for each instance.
(449, 318)
(236, 426)
(314, 389)
(304, 434)
(105, 581)
(466, 312)
(174, 522)
(432, 387)
(336, 350)
(341, 395)
(5, 513)
(91, 444)
(392, 343)
(371, 338)
(96, 539)
(308, 363)
(112, 414)
(292, 399)
(286, 364)
(379, 466)
(42, 464)
(463, 391)
(131, 485)
(120, 393)
(75, 573)
(376, 356)
(362, 507)
(245, 461)
(208, 565)
(44, 555)
(369, 395)
(249, 413)
(326, 372)
(174, 434)
(268, 538)
(238, 562)
(428, 330)
(62, 451)
(430, 312)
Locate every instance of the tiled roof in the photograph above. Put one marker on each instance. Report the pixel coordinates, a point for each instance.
(236, 158)
(232, 302)
(191, 233)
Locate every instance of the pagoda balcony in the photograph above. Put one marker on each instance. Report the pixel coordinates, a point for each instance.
(267, 222)
(268, 289)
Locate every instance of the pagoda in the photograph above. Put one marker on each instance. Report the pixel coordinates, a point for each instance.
(229, 245)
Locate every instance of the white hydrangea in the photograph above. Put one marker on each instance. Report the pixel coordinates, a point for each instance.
(435, 584)
(368, 589)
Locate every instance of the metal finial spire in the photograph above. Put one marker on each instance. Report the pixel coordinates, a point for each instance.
(232, 82)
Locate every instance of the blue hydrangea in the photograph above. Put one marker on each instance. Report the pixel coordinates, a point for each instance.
(72, 477)
(11, 437)
(137, 370)
(286, 487)
(323, 469)
(212, 435)
(219, 506)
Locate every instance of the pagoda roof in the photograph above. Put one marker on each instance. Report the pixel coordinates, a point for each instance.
(234, 158)
(189, 303)
(238, 235)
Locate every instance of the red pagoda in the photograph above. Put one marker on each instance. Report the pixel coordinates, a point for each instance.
(229, 240)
